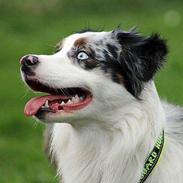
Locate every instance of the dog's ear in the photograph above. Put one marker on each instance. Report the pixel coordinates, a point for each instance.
(140, 57)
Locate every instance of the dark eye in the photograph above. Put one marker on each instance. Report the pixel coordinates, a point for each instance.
(82, 56)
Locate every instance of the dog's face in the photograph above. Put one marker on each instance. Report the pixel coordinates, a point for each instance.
(91, 74)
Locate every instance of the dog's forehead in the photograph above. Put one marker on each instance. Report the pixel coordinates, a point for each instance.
(69, 41)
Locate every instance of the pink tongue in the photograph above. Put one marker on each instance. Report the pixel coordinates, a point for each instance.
(33, 105)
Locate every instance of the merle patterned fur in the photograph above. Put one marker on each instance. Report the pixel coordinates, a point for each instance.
(136, 62)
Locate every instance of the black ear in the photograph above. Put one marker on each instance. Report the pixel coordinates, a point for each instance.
(151, 53)
(140, 58)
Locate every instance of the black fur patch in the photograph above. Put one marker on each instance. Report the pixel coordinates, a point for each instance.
(140, 59)
(113, 50)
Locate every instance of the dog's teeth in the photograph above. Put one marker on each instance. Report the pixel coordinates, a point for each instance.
(69, 102)
(62, 103)
(76, 96)
(46, 104)
(75, 99)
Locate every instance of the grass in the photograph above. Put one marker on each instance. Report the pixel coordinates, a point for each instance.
(35, 27)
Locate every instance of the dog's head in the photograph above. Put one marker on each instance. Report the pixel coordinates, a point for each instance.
(91, 74)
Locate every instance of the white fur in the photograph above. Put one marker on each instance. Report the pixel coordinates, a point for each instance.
(108, 141)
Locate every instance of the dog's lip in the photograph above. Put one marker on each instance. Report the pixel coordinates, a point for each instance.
(37, 104)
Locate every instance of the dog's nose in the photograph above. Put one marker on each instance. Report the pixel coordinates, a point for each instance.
(29, 60)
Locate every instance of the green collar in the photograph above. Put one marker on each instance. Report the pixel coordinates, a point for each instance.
(153, 158)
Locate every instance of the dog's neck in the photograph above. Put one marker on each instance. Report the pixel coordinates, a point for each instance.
(103, 153)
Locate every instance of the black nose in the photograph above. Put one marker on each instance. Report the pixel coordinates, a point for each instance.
(29, 60)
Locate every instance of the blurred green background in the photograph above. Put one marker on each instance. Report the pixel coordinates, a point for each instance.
(34, 26)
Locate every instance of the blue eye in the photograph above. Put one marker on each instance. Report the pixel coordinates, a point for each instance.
(82, 56)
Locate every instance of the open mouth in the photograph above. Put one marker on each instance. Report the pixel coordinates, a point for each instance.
(58, 100)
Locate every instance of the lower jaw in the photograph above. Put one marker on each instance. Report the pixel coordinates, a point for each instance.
(59, 117)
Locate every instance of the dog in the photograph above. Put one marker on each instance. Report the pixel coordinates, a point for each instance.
(105, 121)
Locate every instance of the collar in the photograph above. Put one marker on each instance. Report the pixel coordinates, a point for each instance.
(153, 159)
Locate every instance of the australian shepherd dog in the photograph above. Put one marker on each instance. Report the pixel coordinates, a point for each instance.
(105, 121)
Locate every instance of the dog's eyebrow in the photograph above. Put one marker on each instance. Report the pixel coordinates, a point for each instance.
(80, 42)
